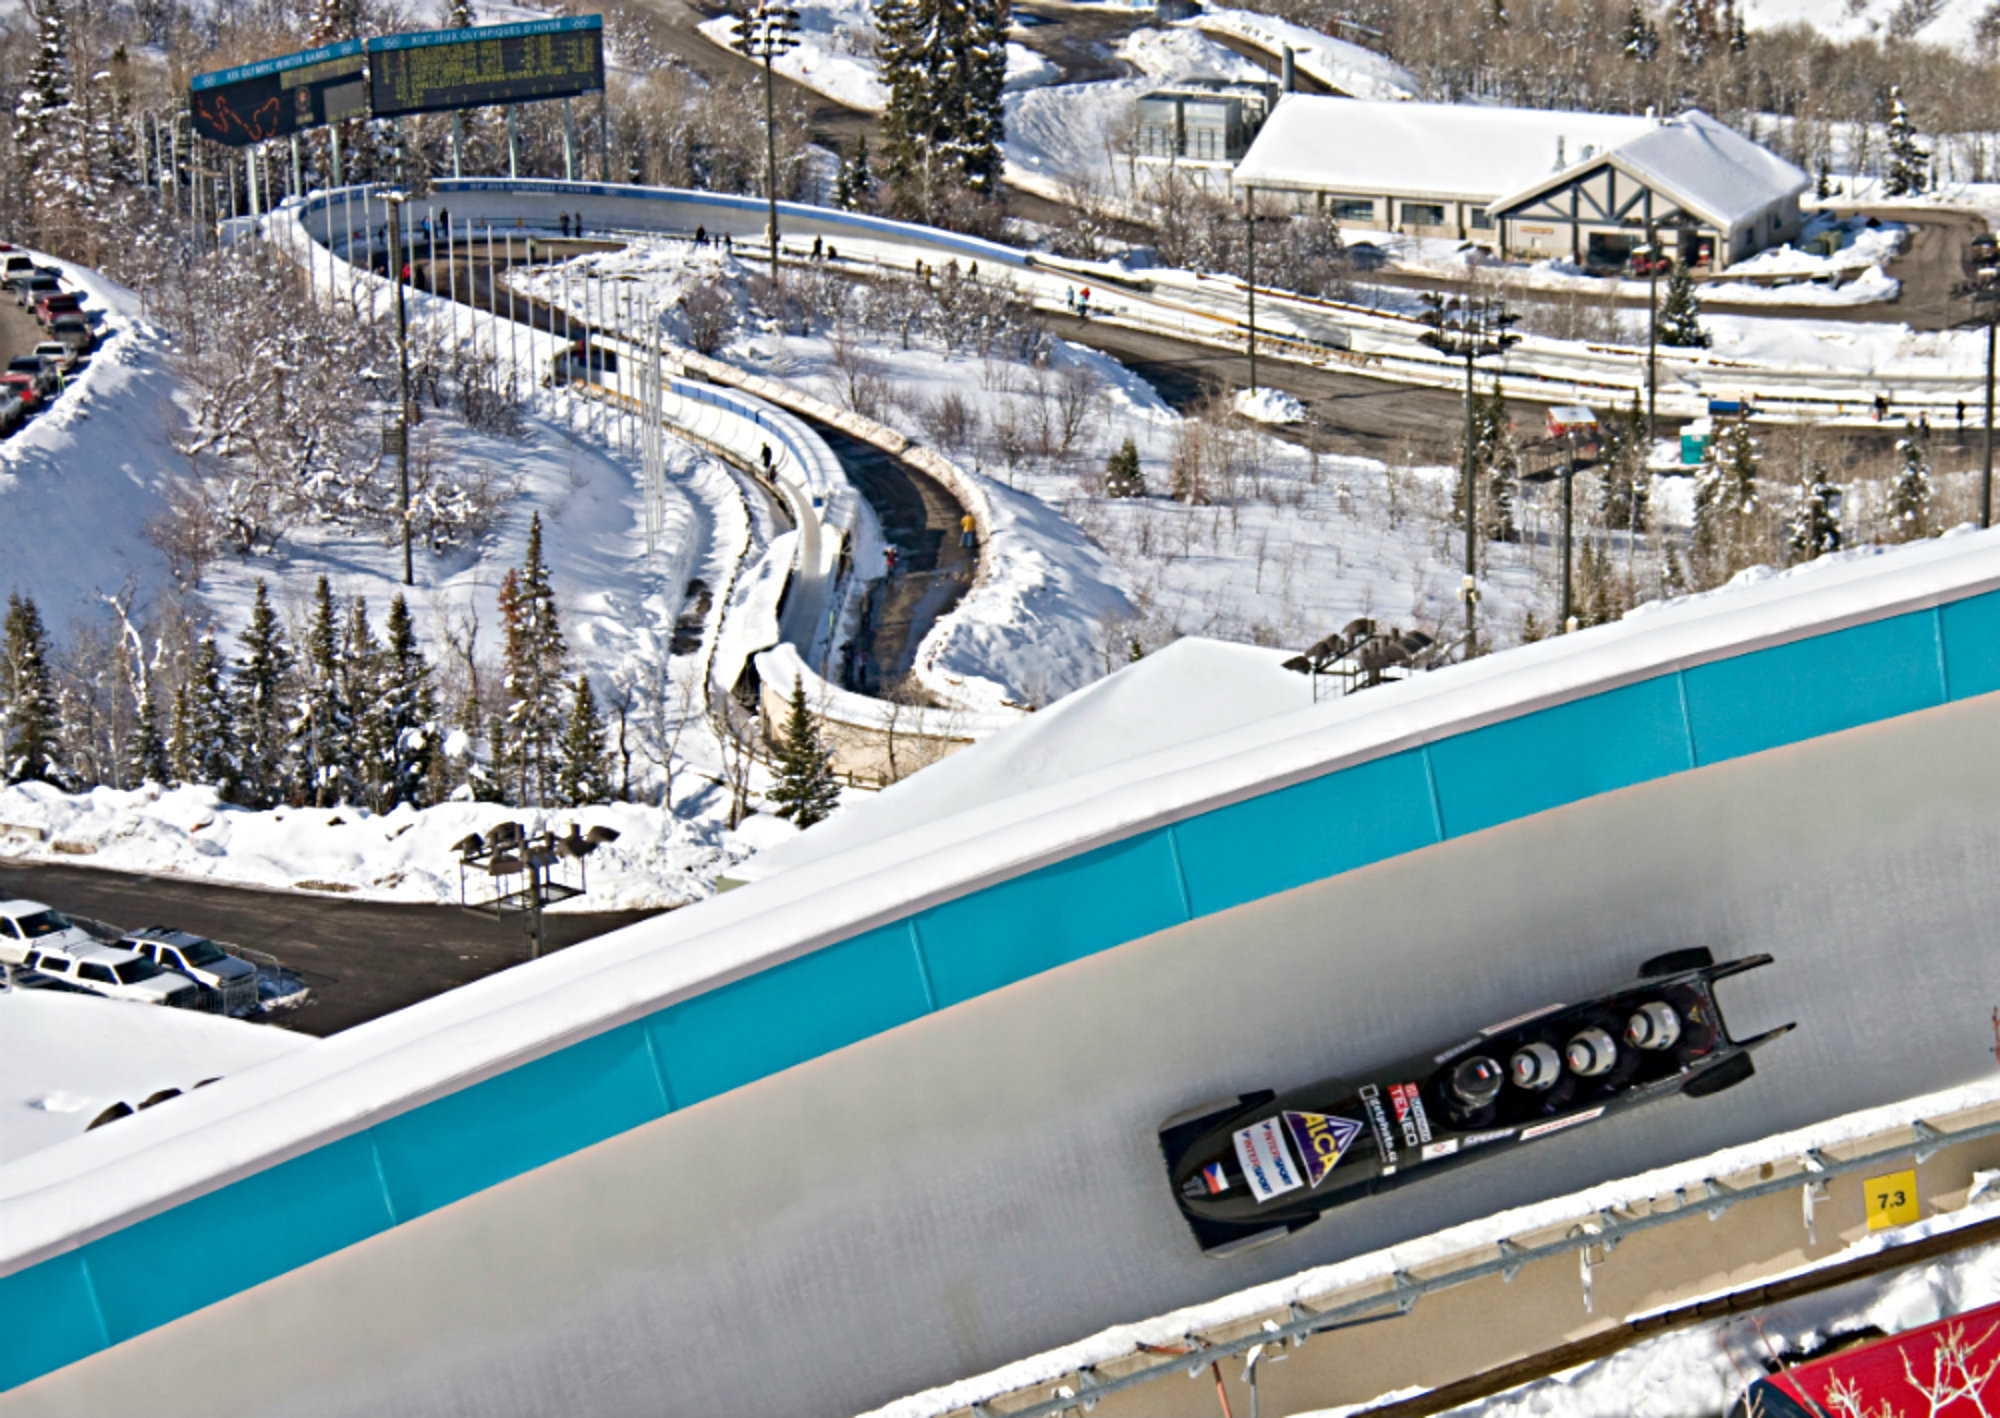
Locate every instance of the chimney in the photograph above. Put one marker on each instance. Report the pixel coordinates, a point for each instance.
(1288, 71)
(1561, 161)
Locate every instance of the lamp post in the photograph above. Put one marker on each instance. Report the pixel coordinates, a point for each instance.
(1464, 328)
(395, 202)
(765, 33)
(509, 851)
(1574, 428)
(1250, 272)
(1650, 252)
(1982, 286)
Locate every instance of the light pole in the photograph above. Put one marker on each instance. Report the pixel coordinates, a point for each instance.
(765, 33)
(1650, 252)
(395, 202)
(1250, 269)
(508, 851)
(1571, 425)
(1982, 286)
(1462, 327)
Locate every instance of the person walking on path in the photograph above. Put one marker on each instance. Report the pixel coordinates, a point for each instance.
(966, 527)
(889, 559)
(564, 219)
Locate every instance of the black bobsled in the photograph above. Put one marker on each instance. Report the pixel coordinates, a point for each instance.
(1249, 1169)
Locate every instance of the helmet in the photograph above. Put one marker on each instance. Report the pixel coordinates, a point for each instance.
(1653, 1026)
(1476, 1082)
(1535, 1066)
(1591, 1052)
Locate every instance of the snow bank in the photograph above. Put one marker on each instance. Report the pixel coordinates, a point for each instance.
(660, 861)
(1349, 68)
(1269, 406)
(65, 1058)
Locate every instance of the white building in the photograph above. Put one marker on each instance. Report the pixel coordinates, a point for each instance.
(1530, 182)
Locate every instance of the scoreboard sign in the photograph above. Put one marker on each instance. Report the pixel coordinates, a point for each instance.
(274, 97)
(494, 64)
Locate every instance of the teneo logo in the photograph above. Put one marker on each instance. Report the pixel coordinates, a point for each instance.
(1410, 1115)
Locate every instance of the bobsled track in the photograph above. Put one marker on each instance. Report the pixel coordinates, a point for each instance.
(887, 1118)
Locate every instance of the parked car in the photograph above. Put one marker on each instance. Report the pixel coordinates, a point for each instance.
(31, 923)
(35, 288)
(38, 368)
(75, 335)
(67, 302)
(24, 385)
(61, 354)
(228, 984)
(13, 413)
(116, 974)
(17, 264)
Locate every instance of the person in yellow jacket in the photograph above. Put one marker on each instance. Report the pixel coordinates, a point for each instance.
(966, 527)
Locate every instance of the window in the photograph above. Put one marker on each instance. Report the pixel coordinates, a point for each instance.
(7, 927)
(40, 924)
(1479, 219)
(97, 974)
(1353, 209)
(203, 952)
(131, 972)
(1423, 214)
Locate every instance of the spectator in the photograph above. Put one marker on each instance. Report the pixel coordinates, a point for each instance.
(563, 219)
(966, 527)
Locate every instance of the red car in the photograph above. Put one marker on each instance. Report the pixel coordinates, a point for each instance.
(49, 307)
(1946, 1370)
(31, 398)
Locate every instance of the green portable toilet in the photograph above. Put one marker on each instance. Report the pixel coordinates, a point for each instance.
(1694, 440)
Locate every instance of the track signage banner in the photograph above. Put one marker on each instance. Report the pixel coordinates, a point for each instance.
(519, 63)
(272, 98)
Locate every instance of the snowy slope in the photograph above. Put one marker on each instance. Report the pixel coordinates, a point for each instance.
(1952, 24)
(64, 1058)
(1337, 63)
(86, 475)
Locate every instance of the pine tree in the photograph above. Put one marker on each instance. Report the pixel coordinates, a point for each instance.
(1739, 32)
(586, 769)
(1624, 485)
(854, 184)
(374, 743)
(1908, 163)
(204, 727)
(323, 733)
(146, 752)
(1642, 36)
(29, 727)
(1694, 26)
(1726, 505)
(263, 703)
(1814, 528)
(1679, 322)
(535, 657)
(944, 62)
(806, 790)
(46, 140)
(1123, 477)
(403, 717)
(1910, 499)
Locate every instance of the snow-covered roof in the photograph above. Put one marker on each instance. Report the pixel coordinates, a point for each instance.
(1455, 151)
(1706, 165)
(1502, 156)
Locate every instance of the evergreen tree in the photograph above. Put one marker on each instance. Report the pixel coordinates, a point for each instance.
(1908, 163)
(530, 742)
(1624, 483)
(29, 726)
(146, 752)
(45, 121)
(1814, 529)
(1679, 322)
(204, 725)
(374, 752)
(806, 790)
(854, 184)
(1123, 476)
(944, 62)
(1495, 454)
(1739, 32)
(1910, 499)
(1726, 505)
(323, 733)
(1823, 179)
(1694, 26)
(586, 768)
(403, 717)
(263, 704)
(1642, 36)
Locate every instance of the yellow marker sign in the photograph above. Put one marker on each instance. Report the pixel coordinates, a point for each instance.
(1892, 1200)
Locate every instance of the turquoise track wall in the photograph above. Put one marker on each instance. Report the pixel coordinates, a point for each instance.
(149, 1273)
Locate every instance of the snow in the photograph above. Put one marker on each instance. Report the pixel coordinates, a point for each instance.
(1896, 1301)
(835, 54)
(1268, 406)
(1337, 63)
(1710, 166)
(660, 860)
(65, 1058)
(1951, 23)
(87, 474)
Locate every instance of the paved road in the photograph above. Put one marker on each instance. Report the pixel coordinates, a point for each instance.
(361, 958)
(984, 1183)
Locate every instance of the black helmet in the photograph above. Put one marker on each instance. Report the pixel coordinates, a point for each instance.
(1476, 1081)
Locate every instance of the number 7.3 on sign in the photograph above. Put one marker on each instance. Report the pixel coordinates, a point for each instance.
(1892, 1200)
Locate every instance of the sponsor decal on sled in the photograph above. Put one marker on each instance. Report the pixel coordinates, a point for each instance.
(1378, 1119)
(1215, 1179)
(1267, 1160)
(1435, 1150)
(1410, 1116)
(1558, 1124)
(1322, 1141)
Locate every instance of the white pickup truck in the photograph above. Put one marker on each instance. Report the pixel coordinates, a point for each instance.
(25, 925)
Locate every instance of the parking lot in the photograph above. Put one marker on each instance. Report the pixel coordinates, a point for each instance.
(361, 959)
